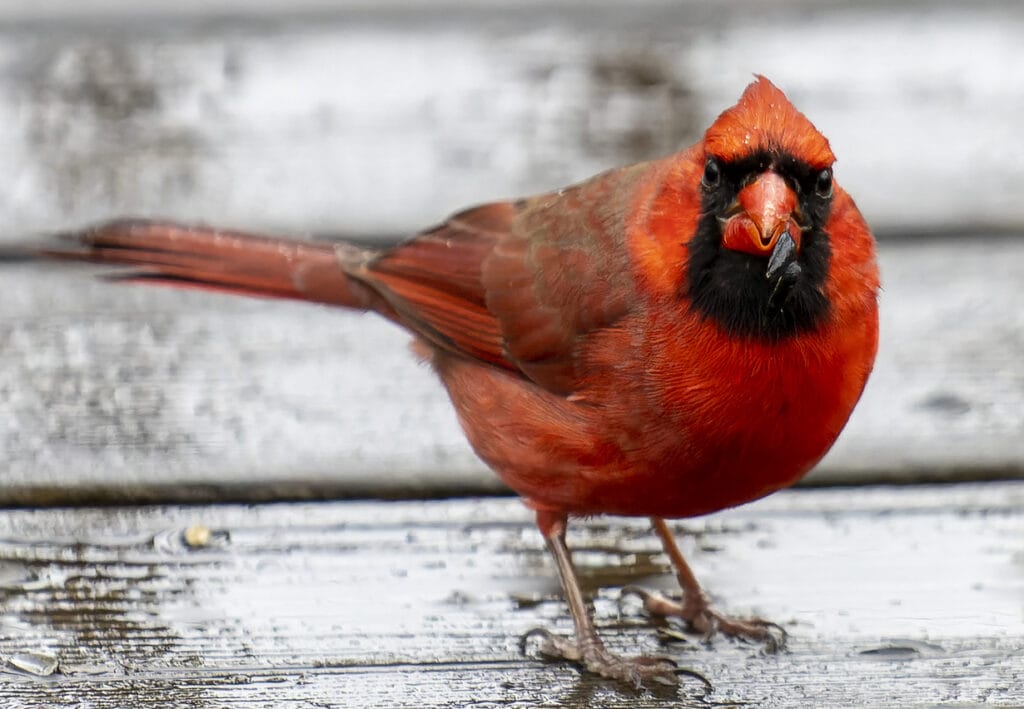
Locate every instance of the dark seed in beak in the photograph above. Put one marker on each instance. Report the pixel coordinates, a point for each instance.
(783, 269)
(782, 264)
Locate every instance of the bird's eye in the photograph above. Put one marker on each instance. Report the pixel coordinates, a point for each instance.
(712, 174)
(823, 183)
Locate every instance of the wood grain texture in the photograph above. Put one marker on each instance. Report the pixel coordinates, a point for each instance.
(381, 118)
(129, 393)
(905, 597)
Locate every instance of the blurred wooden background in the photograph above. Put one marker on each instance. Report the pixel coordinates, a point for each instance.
(377, 119)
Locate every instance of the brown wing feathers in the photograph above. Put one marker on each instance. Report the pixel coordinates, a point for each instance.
(434, 282)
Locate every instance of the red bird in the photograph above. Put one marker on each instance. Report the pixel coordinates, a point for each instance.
(665, 339)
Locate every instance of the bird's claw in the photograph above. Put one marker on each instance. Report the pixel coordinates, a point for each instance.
(638, 672)
(709, 622)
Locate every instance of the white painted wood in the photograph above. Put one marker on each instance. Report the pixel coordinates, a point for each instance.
(378, 119)
(947, 394)
(115, 391)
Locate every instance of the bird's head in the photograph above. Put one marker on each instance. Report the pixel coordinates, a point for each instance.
(760, 256)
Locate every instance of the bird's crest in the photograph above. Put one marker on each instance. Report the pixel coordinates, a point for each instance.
(765, 121)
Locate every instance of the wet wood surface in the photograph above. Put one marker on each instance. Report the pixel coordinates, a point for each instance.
(906, 597)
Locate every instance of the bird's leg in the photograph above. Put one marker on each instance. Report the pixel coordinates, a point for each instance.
(695, 607)
(587, 648)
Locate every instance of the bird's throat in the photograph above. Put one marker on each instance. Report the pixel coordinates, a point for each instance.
(736, 291)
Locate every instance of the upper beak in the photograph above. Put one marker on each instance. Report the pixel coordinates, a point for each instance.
(762, 213)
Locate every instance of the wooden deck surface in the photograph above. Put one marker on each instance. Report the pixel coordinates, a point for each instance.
(906, 597)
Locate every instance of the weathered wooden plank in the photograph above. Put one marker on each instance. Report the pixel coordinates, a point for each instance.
(893, 597)
(127, 393)
(372, 118)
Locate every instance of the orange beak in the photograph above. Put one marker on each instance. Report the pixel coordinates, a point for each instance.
(762, 213)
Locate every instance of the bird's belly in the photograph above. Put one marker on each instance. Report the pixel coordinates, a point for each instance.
(749, 435)
(634, 455)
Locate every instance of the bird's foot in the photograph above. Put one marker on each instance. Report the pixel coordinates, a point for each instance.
(592, 655)
(704, 619)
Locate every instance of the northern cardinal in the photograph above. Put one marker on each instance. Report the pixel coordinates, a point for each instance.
(665, 339)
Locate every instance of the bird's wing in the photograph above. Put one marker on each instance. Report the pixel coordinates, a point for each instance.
(518, 285)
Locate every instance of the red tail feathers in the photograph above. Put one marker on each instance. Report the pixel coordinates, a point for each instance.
(236, 262)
